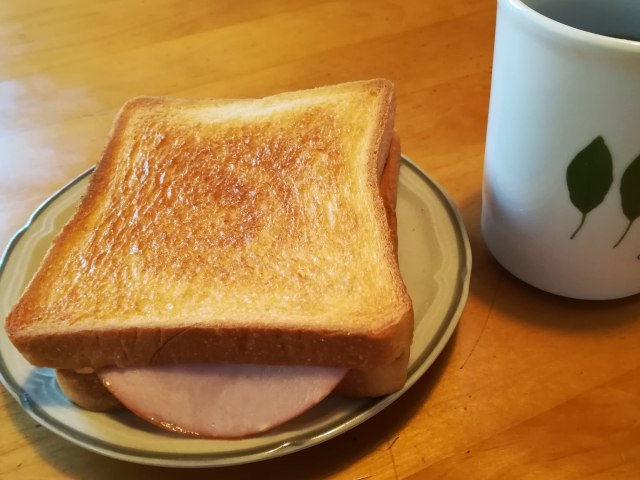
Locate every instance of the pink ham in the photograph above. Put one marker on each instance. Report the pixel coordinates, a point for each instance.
(220, 400)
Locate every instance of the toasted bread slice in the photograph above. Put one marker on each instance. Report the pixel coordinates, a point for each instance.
(249, 231)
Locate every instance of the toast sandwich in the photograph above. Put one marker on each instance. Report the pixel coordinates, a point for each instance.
(237, 231)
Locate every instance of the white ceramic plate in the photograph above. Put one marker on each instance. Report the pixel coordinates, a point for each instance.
(435, 260)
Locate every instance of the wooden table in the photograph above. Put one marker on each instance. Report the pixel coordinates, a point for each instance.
(532, 386)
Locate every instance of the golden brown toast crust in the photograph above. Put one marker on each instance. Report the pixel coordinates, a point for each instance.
(110, 316)
(201, 345)
(392, 376)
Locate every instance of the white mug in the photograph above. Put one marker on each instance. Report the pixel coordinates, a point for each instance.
(561, 193)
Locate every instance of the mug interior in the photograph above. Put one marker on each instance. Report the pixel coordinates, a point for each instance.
(613, 18)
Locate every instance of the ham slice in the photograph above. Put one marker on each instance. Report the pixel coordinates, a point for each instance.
(217, 400)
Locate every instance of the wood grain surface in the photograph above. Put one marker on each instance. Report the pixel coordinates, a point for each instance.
(532, 386)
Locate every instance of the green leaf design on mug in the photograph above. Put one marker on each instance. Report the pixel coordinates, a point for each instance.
(589, 177)
(630, 193)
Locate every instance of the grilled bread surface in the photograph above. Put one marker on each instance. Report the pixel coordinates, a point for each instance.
(247, 231)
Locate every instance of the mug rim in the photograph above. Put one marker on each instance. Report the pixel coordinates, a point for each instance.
(572, 33)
